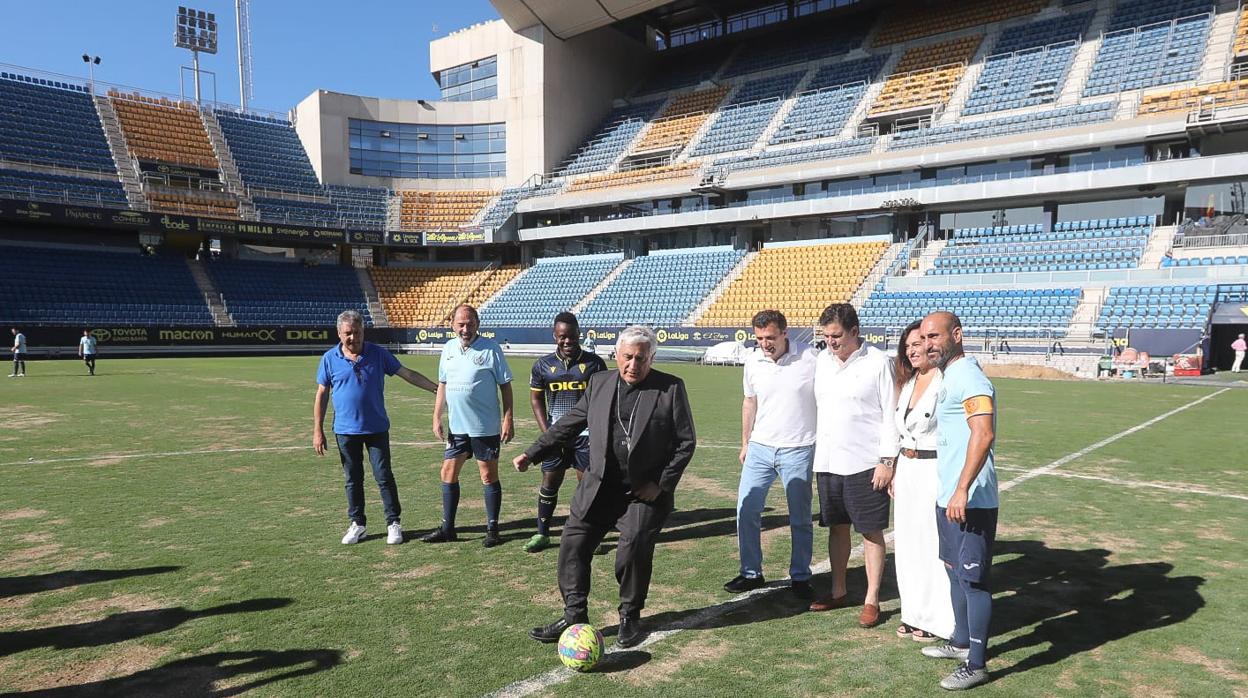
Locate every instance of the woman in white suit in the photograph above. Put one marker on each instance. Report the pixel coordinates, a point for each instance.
(926, 611)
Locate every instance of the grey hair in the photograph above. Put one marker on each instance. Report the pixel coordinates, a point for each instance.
(350, 317)
(638, 334)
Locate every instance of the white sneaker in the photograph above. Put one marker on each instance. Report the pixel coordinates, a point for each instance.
(12, 375)
(947, 651)
(394, 533)
(354, 534)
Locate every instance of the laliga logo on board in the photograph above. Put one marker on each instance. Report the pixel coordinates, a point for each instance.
(422, 335)
(662, 335)
(740, 336)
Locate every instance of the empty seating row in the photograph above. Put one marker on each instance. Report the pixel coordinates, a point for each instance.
(660, 289)
(441, 210)
(425, 296)
(1157, 307)
(97, 287)
(917, 19)
(680, 119)
(834, 93)
(610, 139)
(1062, 117)
(1221, 94)
(1017, 312)
(51, 124)
(1215, 261)
(38, 186)
(791, 156)
(268, 152)
(548, 287)
(1145, 55)
(1029, 64)
(926, 76)
(800, 281)
(161, 130)
(742, 119)
(643, 175)
(192, 202)
(250, 289)
(797, 46)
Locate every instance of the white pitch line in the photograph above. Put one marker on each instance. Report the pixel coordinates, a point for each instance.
(205, 452)
(1136, 484)
(1103, 443)
(541, 682)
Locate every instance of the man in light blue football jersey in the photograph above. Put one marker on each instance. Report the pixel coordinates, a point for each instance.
(966, 503)
(471, 374)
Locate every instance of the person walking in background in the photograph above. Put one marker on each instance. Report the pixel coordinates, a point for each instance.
(472, 374)
(19, 354)
(921, 580)
(1240, 347)
(353, 373)
(86, 351)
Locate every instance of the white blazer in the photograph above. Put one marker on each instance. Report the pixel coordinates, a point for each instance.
(918, 431)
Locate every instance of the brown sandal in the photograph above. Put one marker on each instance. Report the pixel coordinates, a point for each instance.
(904, 630)
(921, 635)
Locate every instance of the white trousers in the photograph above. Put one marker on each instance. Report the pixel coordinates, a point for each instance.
(921, 579)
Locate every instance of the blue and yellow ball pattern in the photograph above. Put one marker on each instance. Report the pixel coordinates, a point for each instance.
(580, 647)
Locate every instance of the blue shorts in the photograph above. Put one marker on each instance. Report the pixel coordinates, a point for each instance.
(575, 456)
(480, 447)
(968, 546)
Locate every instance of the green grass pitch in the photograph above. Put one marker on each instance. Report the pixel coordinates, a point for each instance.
(165, 529)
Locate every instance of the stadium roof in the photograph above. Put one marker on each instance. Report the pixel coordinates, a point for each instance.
(567, 18)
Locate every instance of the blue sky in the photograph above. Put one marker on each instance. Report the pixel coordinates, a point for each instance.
(368, 47)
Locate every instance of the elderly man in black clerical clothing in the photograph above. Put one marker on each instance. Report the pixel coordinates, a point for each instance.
(640, 439)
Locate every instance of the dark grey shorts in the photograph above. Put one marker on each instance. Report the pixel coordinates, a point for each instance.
(845, 499)
(967, 547)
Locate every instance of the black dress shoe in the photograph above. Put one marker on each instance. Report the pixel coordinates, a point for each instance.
(439, 535)
(802, 590)
(492, 538)
(630, 633)
(742, 583)
(552, 632)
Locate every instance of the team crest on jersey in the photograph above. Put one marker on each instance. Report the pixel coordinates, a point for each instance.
(479, 359)
(554, 369)
(582, 367)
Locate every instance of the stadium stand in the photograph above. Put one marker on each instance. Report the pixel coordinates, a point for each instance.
(51, 123)
(791, 156)
(799, 281)
(288, 294)
(550, 286)
(1215, 261)
(1029, 65)
(1186, 99)
(38, 186)
(1106, 243)
(610, 139)
(680, 119)
(424, 296)
(738, 124)
(1241, 32)
(309, 212)
(268, 152)
(161, 130)
(194, 202)
(926, 76)
(1149, 44)
(1019, 312)
(1062, 117)
(441, 210)
(832, 95)
(360, 207)
(796, 46)
(917, 20)
(660, 289)
(680, 72)
(97, 287)
(643, 175)
(1157, 307)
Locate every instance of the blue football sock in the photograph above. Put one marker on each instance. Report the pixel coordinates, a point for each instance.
(978, 615)
(546, 501)
(493, 503)
(450, 505)
(961, 635)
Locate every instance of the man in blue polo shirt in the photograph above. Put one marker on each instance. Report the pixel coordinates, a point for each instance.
(471, 375)
(966, 503)
(354, 374)
(556, 384)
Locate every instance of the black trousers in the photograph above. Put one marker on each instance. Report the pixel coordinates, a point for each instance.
(639, 524)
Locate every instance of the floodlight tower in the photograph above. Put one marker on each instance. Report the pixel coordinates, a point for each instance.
(196, 31)
(242, 23)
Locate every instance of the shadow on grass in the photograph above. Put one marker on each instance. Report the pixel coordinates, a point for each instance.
(30, 584)
(198, 676)
(621, 660)
(120, 627)
(1079, 602)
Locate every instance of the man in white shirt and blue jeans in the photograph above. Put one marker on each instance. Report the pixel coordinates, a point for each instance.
(855, 450)
(777, 440)
(19, 354)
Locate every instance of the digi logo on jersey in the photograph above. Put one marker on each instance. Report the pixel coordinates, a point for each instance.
(558, 386)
